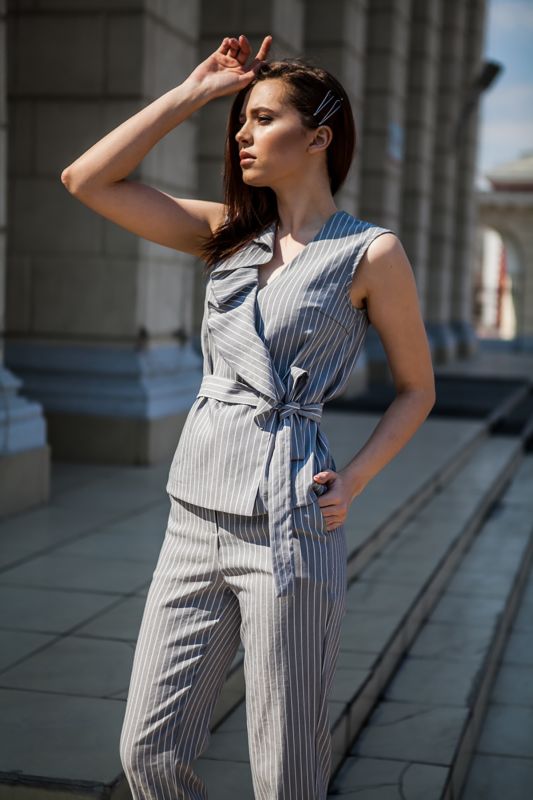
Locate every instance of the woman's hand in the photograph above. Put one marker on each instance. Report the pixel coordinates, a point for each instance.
(338, 498)
(225, 71)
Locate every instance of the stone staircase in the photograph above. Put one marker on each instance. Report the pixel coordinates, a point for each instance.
(427, 687)
(411, 684)
(435, 574)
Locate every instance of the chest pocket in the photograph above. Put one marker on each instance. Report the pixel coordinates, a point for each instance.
(311, 317)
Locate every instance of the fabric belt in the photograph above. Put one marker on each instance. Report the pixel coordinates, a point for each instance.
(288, 436)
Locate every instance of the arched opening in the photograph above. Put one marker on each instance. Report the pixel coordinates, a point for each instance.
(498, 288)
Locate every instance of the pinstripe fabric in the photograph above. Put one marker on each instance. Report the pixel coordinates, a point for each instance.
(272, 357)
(211, 587)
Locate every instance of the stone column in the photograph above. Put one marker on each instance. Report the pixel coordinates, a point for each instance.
(98, 319)
(335, 40)
(420, 137)
(24, 452)
(443, 229)
(382, 151)
(466, 212)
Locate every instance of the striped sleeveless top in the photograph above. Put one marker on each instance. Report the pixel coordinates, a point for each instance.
(272, 357)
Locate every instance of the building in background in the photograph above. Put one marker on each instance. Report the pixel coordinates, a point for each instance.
(100, 356)
(505, 276)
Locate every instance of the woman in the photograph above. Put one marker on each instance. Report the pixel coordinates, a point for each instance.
(255, 546)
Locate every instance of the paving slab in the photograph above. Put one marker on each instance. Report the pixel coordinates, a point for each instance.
(434, 681)
(74, 665)
(81, 744)
(487, 584)
(519, 648)
(513, 685)
(369, 596)
(26, 608)
(17, 645)
(121, 621)
(229, 742)
(76, 572)
(412, 732)
(452, 607)
(140, 536)
(225, 782)
(453, 641)
(368, 632)
(383, 779)
(507, 730)
(496, 777)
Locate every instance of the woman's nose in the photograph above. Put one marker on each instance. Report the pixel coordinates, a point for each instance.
(241, 134)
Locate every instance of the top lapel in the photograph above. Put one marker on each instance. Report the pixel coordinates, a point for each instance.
(232, 316)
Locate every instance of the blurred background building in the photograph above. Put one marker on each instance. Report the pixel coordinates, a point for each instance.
(100, 350)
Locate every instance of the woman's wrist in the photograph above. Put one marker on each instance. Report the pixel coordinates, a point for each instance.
(196, 92)
(355, 479)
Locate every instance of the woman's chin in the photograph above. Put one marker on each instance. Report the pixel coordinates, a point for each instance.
(252, 180)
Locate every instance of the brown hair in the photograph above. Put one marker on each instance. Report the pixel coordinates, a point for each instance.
(249, 208)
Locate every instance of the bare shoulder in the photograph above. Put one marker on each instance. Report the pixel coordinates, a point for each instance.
(393, 308)
(383, 257)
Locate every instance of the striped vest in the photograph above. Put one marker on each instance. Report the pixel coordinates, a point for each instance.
(272, 357)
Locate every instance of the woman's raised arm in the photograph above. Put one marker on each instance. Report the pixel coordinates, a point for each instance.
(99, 177)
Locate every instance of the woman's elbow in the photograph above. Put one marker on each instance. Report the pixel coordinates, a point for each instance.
(66, 180)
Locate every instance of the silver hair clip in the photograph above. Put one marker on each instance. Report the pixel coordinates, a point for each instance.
(336, 104)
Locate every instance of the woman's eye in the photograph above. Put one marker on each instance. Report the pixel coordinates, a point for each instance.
(263, 118)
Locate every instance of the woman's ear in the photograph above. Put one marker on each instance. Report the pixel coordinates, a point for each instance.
(321, 138)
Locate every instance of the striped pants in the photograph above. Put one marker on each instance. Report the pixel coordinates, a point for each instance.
(213, 586)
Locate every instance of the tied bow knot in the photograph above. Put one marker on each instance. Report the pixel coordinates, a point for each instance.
(289, 441)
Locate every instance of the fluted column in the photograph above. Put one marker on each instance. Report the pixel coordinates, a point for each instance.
(336, 41)
(421, 130)
(466, 211)
(443, 219)
(383, 140)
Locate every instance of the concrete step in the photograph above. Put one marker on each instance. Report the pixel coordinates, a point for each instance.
(418, 740)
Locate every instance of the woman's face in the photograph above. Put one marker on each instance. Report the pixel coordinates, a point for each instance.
(272, 132)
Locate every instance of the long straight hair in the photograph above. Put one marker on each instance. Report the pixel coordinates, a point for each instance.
(249, 208)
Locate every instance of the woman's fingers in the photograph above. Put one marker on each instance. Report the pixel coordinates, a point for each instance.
(245, 49)
(239, 48)
(224, 46)
(263, 50)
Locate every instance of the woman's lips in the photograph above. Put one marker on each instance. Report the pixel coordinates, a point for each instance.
(247, 160)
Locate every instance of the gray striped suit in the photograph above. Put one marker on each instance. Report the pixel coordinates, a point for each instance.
(247, 553)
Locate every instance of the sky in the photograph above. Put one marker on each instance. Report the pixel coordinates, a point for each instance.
(506, 110)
